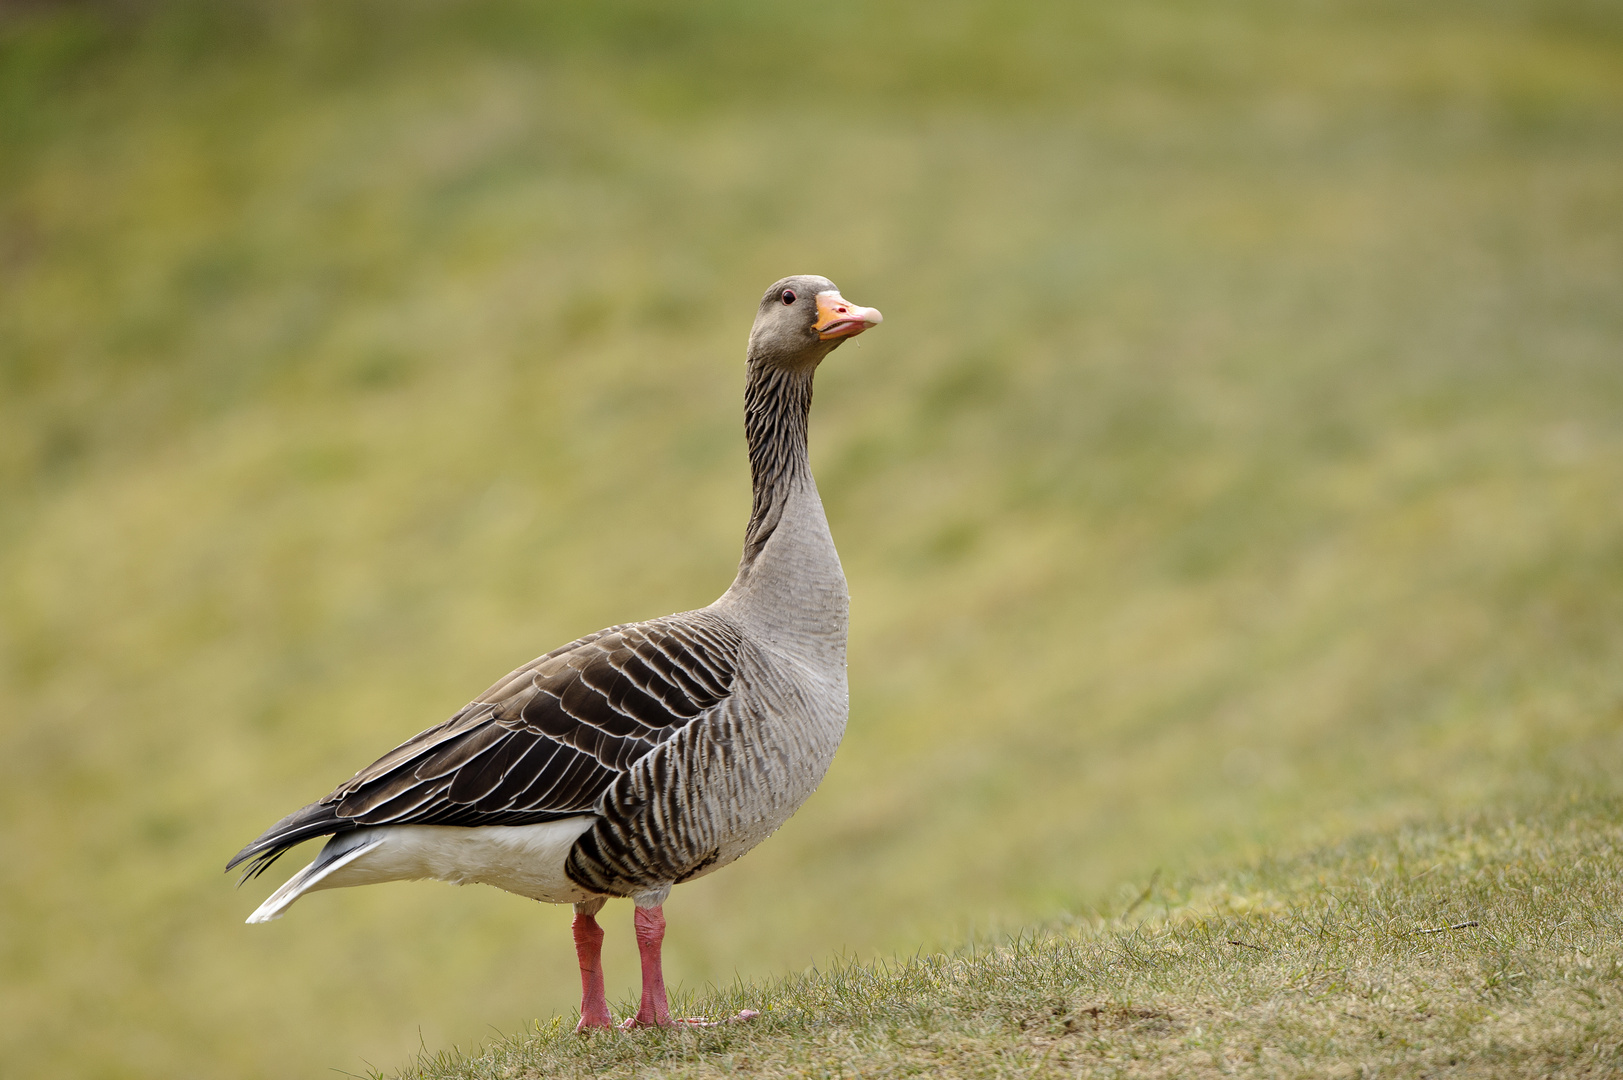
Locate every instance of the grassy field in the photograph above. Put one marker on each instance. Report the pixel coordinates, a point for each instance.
(1237, 469)
(1485, 947)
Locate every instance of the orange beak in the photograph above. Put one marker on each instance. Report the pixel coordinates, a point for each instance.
(837, 317)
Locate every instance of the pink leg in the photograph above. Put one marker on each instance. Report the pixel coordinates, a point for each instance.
(594, 1003)
(655, 1009)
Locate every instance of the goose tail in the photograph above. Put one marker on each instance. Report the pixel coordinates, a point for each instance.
(340, 852)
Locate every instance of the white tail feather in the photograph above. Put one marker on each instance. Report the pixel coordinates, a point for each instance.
(339, 852)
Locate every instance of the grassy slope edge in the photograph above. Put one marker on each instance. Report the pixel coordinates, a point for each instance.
(1487, 946)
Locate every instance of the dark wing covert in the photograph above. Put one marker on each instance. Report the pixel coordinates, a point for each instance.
(543, 743)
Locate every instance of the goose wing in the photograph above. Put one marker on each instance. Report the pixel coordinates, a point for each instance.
(543, 743)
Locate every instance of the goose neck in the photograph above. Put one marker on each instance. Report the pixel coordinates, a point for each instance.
(777, 404)
(790, 591)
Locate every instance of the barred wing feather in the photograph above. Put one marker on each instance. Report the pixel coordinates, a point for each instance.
(544, 743)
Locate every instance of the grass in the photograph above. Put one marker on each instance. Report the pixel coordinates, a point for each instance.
(1488, 946)
(1236, 469)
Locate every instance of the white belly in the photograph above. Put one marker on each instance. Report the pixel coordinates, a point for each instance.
(523, 859)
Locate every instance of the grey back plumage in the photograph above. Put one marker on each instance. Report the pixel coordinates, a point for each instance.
(545, 742)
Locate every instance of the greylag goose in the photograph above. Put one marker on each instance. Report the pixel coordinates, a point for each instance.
(644, 755)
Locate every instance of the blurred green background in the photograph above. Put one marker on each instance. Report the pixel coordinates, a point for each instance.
(1240, 462)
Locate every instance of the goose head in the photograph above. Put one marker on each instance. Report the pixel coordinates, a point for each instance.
(804, 318)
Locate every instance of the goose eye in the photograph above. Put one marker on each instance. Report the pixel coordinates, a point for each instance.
(788, 296)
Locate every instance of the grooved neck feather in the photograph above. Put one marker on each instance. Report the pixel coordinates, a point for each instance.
(790, 591)
(777, 404)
